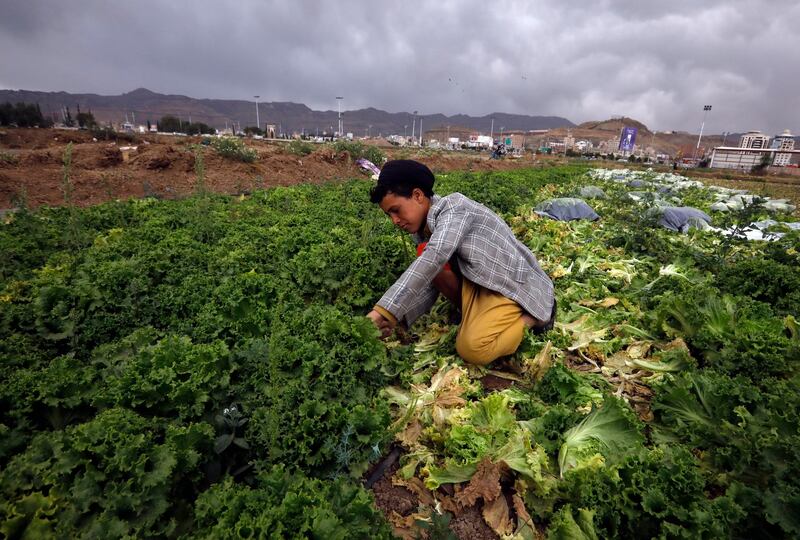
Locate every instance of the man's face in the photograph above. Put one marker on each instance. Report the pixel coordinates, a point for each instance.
(408, 213)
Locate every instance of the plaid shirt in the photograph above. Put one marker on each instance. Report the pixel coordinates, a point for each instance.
(487, 253)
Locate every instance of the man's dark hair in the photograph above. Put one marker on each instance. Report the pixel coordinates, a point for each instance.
(401, 177)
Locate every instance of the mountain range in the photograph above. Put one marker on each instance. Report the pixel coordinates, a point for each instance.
(142, 105)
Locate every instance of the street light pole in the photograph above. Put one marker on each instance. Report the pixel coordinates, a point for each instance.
(258, 120)
(341, 126)
(491, 130)
(413, 124)
(706, 108)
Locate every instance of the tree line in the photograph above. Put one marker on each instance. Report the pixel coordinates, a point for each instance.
(30, 115)
(172, 124)
(22, 115)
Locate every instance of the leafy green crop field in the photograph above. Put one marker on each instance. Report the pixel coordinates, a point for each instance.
(203, 368)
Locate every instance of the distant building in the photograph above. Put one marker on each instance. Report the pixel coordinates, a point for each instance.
(569, 140)
(610, 145)
(735, 158)
(515, 139)
(755, 150)
(784, 141)
(476, 140)
(754, 139)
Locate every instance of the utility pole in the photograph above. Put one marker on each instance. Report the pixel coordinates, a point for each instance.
(491, 131)
(413, 123)
(420, 131)
(258, 120)
(706, 108)
(341, 126)
(653, 144)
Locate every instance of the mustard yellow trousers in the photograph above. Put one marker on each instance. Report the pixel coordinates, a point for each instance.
(491, 326)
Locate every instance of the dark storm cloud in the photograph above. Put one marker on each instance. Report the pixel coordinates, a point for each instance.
(659, 64)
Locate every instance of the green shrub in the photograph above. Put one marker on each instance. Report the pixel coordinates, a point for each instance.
(232, 148)
(358, 150)
(300, 148)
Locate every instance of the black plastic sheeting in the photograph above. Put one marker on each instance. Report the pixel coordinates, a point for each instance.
(592, 192)
(566, 209)
(683, 218)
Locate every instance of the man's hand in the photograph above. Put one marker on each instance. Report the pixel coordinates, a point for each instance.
(382, 323)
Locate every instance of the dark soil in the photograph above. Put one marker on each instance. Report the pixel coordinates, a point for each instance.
(470, 525)
(493, 383)
(389, 497)
(466, 525)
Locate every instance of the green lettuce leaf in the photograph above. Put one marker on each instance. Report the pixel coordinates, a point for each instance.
(564, 526)
(609, 431)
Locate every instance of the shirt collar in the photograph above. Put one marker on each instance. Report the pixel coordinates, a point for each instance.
(426, 233)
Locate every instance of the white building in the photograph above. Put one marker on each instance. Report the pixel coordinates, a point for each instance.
(731, 157)
(480, 141)
(784, 141)
(754, 139)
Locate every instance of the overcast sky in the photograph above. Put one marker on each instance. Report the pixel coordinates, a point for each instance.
(658, 62)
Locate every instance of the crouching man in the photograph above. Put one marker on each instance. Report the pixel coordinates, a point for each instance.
(468, 254)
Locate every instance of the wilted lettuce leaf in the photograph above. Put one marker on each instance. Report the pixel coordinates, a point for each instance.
(488, 430)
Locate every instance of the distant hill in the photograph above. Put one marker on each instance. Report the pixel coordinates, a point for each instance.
(614, 125)
(291, 117)
(672, 143)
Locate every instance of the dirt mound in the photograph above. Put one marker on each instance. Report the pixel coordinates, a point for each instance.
(164, 166)
(37, 139)
(154, 157)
